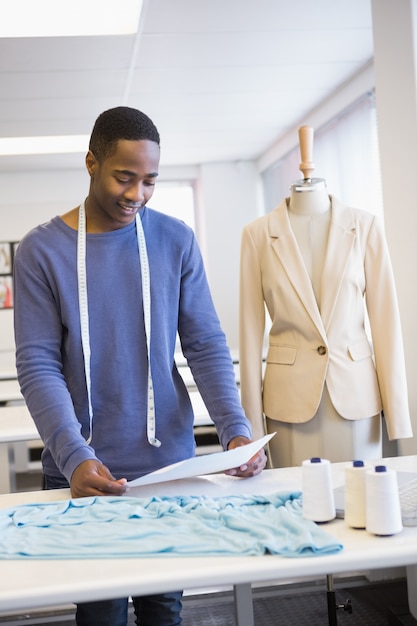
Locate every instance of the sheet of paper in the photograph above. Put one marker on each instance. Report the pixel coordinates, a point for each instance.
(204, 464)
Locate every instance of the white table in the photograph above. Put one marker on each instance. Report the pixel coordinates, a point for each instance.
(201, 415)
(16, 424)
(7, 364)
(26, 584)
(9, 390)
(8, 373)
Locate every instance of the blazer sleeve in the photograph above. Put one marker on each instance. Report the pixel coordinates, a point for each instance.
(385, 324)
(251, 333)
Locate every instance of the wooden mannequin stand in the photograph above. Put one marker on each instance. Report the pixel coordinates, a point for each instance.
(308, 195)
(306, 136)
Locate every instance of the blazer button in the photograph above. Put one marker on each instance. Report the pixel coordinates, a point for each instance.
(322, 350)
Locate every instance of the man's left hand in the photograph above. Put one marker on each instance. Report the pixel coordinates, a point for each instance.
(254, 466)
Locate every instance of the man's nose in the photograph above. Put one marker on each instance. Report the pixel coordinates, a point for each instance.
(135, 193)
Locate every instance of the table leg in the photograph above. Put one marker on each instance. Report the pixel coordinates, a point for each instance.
(243, 604)
(331, 601)
(411, 588)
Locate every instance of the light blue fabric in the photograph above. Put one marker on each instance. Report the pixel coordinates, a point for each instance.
(111, 527)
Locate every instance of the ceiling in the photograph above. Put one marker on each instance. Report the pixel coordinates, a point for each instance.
(222, 79)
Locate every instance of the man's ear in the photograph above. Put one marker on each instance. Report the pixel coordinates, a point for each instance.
(91, 163)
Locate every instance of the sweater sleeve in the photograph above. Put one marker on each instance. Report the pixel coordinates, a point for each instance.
(205, 348)
(39, 334)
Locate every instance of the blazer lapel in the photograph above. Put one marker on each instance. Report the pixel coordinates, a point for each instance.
(286, 248)
(342, 235)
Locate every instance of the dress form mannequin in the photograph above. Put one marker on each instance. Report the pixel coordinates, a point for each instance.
(319, 271)
(327, 434)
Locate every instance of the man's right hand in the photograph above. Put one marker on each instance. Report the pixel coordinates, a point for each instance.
(92, 478)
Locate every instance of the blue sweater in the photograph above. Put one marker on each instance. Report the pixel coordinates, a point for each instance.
(49, 357)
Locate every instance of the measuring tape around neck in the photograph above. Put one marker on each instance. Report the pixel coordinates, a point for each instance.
(84, 319)
(146, 299)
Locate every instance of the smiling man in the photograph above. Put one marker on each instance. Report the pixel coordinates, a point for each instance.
(100, 296)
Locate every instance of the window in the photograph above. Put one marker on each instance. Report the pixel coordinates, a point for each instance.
(175, 199)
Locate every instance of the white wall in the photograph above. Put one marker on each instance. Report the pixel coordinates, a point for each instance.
(29, 198)
(395, 42)
(230, 196)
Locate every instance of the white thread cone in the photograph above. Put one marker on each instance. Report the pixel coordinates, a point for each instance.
(355, 494)
(318, 497)
(383, 510)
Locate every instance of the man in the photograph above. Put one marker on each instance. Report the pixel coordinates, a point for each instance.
(101, 294)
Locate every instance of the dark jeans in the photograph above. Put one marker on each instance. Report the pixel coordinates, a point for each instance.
(159, 610)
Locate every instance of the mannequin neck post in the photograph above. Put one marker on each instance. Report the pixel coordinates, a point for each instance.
(309, 197)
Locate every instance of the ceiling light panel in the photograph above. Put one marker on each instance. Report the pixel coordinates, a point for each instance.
(64, 144)
(49, 18)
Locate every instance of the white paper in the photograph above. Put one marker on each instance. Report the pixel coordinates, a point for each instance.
(204, 464)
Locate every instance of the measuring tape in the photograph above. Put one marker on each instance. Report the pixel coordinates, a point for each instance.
(84, 319)
(146, 299)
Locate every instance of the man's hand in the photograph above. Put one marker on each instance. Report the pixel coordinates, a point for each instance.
(254, 466)
(92, 478)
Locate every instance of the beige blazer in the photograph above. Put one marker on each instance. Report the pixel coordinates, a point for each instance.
(310, 346)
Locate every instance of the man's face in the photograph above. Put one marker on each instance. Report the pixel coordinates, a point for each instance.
(121, 185)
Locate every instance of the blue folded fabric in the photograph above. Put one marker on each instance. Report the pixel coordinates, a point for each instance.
(118, 527)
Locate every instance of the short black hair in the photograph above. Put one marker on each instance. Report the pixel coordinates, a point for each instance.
(120, 123)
